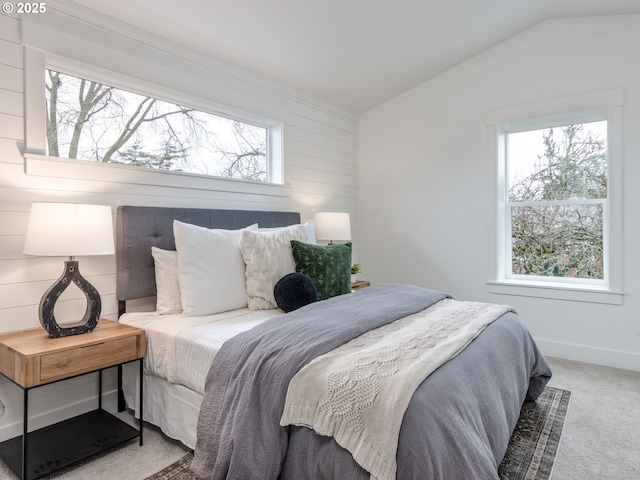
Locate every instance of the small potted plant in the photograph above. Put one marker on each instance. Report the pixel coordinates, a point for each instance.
(355, 269)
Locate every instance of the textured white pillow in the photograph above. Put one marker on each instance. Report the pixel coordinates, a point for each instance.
(167, 286)
(268, 257)
(210, 269)
(309, 226)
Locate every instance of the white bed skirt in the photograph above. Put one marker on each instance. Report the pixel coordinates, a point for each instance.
(174, 408)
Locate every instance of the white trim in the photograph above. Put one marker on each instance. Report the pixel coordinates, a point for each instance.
(43, 166)
(575, 293)
(614, 145)
(275, 149)
(588, 354)
(559, 203)
(34, 101)
(540, 111)
(599, 105)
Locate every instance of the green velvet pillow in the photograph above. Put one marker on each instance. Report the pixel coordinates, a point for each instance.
(329, 266)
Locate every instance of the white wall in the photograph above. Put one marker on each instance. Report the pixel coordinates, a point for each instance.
(425, 204)
(320, 169)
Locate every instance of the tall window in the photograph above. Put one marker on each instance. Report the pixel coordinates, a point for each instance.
(91, 121)
(556, 166)
(557, 202)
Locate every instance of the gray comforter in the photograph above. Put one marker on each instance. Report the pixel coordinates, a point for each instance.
(457, 425)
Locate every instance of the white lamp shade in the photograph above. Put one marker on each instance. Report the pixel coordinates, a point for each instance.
(69, 230)
(333, 226)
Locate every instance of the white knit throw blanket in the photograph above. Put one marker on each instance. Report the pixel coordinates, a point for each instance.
(359, 392)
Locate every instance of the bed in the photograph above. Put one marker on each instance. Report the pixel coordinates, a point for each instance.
(231, 394)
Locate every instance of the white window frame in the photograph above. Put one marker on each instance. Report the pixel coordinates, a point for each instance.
(579, 109)
(37, 163)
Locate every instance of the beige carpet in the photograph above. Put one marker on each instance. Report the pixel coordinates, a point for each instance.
(601, 438)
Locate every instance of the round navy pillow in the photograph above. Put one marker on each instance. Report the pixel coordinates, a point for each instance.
(294, 290)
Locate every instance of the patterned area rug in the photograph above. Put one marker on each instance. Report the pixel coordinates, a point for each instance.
(177, 471)
(534, 443)
(530, 454)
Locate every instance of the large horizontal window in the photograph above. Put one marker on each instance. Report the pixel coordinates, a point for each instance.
(96, 122)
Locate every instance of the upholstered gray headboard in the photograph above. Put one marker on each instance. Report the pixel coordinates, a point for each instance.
(140, 228)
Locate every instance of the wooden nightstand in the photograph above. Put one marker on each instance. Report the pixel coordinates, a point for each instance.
(358, 284)
(32, 358)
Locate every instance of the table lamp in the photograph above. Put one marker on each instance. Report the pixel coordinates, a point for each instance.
(333, 226)
(69, 230)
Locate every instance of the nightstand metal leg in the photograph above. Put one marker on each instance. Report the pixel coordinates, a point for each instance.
(141, 398)
(25, 430)
(122, 405)
(100, 389)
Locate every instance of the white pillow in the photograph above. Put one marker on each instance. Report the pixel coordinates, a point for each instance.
(268, 257)
(167, 286)
(310, 228)
(210, 269)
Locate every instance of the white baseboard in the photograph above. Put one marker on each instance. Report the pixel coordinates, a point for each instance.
(587, 354)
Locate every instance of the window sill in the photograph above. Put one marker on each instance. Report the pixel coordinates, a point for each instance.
(44, 166)
(571, 293)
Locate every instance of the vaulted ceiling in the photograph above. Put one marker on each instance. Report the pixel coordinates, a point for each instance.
(354, 54)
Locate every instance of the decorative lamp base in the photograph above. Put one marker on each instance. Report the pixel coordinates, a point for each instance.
(94, 304)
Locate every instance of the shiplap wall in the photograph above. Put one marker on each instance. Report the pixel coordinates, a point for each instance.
(319, 166)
